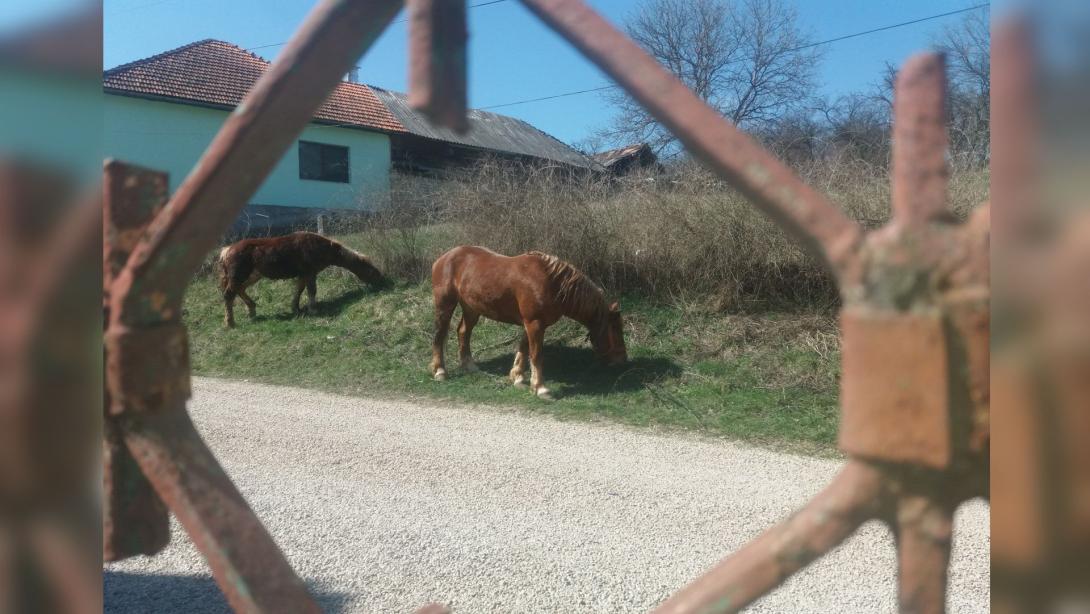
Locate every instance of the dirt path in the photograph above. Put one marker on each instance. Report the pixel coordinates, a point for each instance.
(383, 506)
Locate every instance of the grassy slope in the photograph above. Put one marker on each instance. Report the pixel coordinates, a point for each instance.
(770, 379)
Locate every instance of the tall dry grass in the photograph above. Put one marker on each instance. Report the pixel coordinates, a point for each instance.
(680, 234)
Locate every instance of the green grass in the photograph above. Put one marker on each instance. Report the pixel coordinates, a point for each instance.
(770, 379)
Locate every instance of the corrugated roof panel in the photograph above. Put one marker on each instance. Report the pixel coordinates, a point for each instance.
(487, 131)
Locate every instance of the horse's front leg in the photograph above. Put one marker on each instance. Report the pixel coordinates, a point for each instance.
(535, 337)
(465, 331)
(444, 310)
(517, 369)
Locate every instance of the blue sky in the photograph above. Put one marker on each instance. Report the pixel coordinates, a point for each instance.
(512, 55)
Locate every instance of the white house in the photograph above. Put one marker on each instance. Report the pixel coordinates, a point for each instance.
(162, 112)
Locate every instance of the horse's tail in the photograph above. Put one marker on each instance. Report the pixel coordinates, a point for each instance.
(221, 261)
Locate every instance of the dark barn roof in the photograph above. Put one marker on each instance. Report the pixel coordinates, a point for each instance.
(488, 131)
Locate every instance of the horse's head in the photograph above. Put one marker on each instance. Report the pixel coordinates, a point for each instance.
(608, 338)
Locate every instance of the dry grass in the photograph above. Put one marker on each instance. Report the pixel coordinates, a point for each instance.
(682, 235)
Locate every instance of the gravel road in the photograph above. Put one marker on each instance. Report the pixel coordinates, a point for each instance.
(382, 506)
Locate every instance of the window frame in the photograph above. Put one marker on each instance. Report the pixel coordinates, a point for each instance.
(323, 166)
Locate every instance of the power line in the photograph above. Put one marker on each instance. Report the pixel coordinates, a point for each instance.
(402, 20)
(140, 6)
(508, 104)
(896, 25)
(800, 48)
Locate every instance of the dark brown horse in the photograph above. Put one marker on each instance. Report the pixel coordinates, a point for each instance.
(533, 290)
(299, 256)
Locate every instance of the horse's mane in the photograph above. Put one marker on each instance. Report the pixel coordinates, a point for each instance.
(575, 289)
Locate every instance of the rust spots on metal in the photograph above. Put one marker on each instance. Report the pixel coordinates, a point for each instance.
(970, 324)
(924, 529)
(895, 387)
(1017, 515)
(919, 140)
(147, 368)
(132, 197)
(1016, 145)
(134, 519)
(49, 413)
(247, 565)
(437, 61)
(853, 497)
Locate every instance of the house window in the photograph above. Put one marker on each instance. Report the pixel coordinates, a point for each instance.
(322, 162)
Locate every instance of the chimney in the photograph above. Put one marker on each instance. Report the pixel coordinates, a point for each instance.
(353, 75)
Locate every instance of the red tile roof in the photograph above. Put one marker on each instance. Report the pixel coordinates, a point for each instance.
(213, 72)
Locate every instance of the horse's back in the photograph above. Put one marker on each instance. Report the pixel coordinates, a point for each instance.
(464, 253)
(479, 261)
(487, 282)
(457, 259)
(297, 254)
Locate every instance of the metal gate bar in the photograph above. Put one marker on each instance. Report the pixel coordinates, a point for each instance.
(147, 357)
(1041, 508)
(49, 241)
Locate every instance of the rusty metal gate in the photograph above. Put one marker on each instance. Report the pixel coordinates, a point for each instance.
(915, 317)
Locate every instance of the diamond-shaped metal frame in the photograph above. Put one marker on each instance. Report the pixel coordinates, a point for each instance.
(918, 423)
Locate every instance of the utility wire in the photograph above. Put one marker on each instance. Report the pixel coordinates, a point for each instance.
(799, 48)
(896, 25)
(402, 20)
(508, 104)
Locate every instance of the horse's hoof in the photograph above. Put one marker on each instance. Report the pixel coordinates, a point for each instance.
(519, 382)
(470, 367)
(441, 375)
(543, 393)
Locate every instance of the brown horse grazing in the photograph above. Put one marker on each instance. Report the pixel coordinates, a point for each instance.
(533, 290)
(299, 256)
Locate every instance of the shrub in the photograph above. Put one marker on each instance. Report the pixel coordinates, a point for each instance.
(682, 233)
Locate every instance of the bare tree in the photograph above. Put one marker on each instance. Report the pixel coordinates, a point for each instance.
(858, 128)
(593, 143)
(967, 46)
(795, 138)
(748, 59)
(883, 90)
